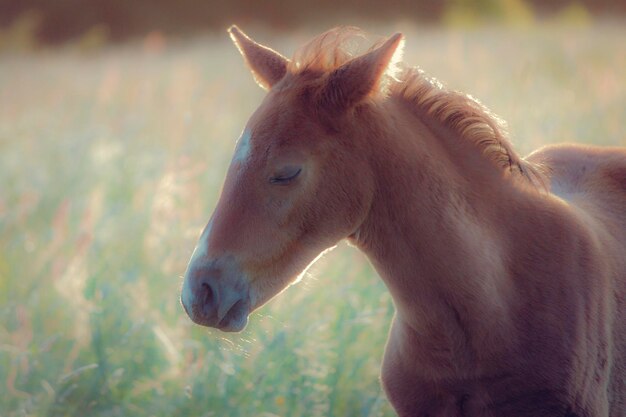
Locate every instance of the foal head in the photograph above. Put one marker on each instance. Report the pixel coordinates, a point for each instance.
(299, 182)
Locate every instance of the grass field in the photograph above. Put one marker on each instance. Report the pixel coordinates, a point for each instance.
(110, 164)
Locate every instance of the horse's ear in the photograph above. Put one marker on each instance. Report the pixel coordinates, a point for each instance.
(354, 80)
(267, 65)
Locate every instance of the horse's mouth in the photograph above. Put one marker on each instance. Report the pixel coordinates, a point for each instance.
(235, 319)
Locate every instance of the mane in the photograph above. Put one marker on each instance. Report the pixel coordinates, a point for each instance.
(459, 112)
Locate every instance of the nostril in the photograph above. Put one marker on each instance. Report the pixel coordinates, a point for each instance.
(209, 294)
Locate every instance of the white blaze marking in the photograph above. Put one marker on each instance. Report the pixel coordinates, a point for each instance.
(243, 147)
(200, 251)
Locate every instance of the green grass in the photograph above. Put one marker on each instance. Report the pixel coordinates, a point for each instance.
(110, 164)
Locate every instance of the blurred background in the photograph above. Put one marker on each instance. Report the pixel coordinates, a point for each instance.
(54, 22)
(117, 123)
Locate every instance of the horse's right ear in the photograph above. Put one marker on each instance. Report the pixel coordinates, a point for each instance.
(267, 65)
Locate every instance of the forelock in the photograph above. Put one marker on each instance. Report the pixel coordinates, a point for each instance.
(328, 51)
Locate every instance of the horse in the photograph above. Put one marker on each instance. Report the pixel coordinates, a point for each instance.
(508, 274)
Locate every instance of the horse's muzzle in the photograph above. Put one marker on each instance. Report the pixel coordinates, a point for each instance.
(216, 294)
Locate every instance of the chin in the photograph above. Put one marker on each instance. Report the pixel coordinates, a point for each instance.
(233, 325)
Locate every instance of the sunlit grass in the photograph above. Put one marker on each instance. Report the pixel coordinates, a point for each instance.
(110, 164)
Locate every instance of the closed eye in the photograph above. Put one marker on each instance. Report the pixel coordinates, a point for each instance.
(286, 175)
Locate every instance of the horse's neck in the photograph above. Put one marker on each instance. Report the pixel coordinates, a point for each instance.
(432, 235)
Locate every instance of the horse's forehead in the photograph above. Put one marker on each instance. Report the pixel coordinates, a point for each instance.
(278, 121)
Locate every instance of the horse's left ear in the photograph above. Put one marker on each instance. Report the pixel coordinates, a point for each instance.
(354, 80)
(267, 65)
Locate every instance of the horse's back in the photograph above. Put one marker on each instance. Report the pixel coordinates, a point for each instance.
(593, 181)
(591, 178)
